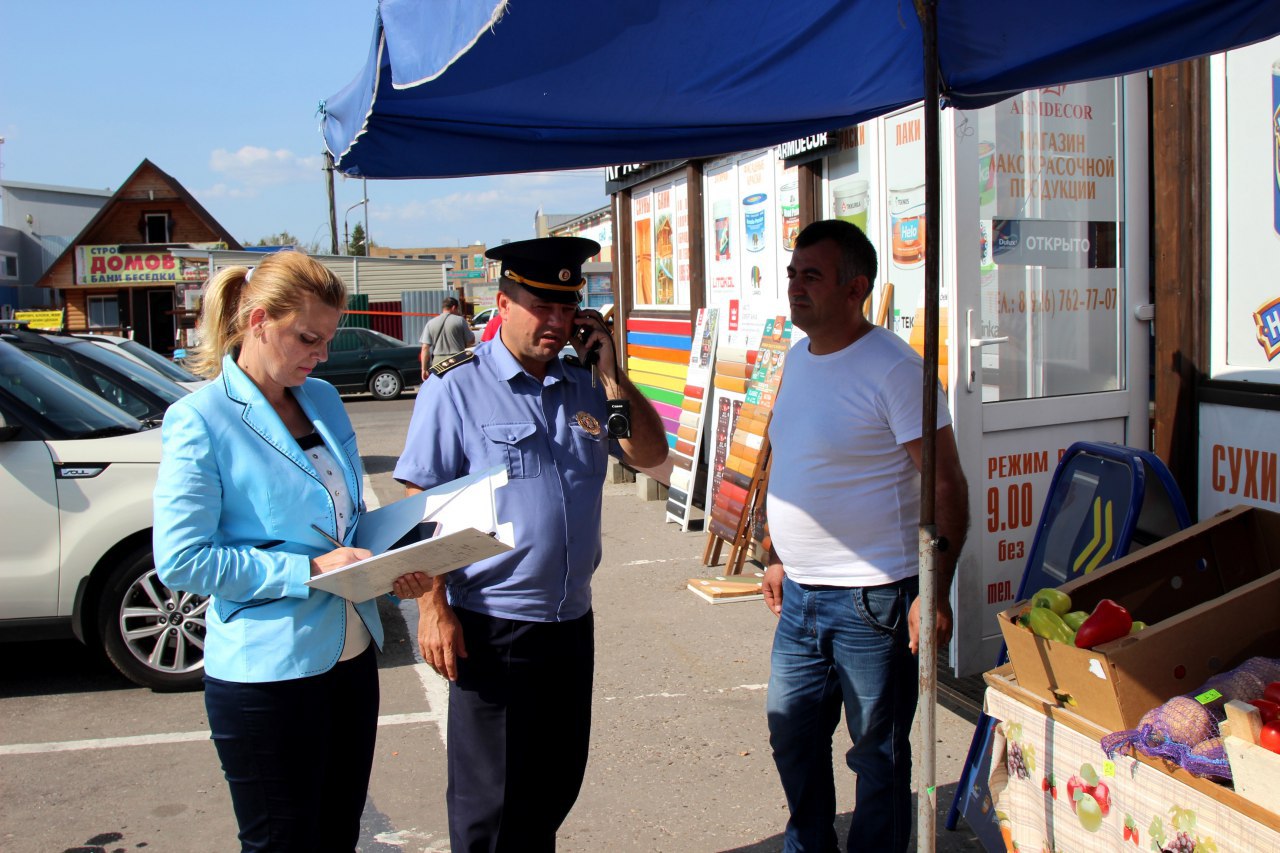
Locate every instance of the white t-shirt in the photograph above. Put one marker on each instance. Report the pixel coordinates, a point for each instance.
(844, 496)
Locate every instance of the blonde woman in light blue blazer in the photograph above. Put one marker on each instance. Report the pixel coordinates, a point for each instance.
(250, 463)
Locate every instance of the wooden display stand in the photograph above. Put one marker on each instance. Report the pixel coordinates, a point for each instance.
(687, 448)
(742, 533)
(734, 508)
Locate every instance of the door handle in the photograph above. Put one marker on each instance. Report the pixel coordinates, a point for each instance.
(975, 344)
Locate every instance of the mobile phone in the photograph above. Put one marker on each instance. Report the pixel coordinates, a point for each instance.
(420, 531)
(581, 333)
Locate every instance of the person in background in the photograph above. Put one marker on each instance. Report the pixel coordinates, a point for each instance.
(843, 506)
(514, 634)
(491, 328)
(259, 477)
(444, 335)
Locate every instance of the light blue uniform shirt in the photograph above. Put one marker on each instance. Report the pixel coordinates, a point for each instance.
(490, 412)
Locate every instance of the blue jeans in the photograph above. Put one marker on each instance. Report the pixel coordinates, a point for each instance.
(833, 647)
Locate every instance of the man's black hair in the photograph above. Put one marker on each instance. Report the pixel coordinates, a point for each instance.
(857, 255)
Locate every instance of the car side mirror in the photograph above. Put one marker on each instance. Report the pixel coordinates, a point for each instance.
(7, 430)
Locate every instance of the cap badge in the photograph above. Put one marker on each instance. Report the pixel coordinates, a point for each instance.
(564, 275)
(588, 423)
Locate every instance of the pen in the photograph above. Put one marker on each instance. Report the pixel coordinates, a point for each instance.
(335, 542)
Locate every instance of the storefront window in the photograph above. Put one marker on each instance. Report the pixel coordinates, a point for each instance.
(1050, 177)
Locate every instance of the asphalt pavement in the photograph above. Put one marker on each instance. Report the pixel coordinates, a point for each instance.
(679, 758)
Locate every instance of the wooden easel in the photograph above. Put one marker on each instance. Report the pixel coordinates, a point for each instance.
(743, 533)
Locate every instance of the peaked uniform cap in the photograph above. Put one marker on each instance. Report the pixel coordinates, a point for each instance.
(549, 267)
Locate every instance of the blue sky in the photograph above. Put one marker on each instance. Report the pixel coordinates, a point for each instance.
(223, 97)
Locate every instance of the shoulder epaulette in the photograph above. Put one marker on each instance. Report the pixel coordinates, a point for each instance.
(573, 361)
(451, 362)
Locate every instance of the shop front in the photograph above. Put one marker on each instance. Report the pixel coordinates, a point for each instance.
(139, 291)
(1045, 332)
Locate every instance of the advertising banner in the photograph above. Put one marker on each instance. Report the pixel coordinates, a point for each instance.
(114, 265)
(1239, 449)
(1251, 324)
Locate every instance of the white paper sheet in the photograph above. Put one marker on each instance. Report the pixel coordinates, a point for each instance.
(373, 577)
(467, 502)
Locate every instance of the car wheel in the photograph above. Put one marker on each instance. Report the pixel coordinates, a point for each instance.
(386, 384)
(152, 634)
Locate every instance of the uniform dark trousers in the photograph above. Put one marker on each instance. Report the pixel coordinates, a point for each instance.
(297, 755)
(519, 728)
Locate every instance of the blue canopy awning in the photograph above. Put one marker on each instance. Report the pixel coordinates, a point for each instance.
(471, 88)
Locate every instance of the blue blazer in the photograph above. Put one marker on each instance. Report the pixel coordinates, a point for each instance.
(234, 504)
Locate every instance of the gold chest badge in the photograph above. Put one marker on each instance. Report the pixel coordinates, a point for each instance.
(588, 423)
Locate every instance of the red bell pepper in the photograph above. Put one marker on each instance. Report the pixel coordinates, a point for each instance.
(1108, 621)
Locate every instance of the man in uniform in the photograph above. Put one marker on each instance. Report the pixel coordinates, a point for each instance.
(444, 335)
(514, 634)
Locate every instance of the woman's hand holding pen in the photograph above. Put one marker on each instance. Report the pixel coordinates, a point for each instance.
(337, 558)
(412, 585)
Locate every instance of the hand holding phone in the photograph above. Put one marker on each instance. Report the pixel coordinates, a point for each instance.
(592, 355)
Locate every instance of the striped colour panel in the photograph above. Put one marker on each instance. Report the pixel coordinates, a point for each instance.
(655, 393)
(658, 364)
(662, 368)
(657, 380)
(683, 328)
(674, 356)
(646, 339)
(666, 410)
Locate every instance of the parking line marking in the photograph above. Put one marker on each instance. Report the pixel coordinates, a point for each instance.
(101, 743)
(175, 737)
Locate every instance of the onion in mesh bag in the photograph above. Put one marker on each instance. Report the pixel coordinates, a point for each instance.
(1211, 748)
(1238, 683)
(1182, 720)
(1266, 669)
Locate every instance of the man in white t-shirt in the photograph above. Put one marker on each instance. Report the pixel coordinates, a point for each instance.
(444, 335)
(843, 509)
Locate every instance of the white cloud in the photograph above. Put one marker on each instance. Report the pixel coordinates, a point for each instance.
(252, 167)
(226, 191)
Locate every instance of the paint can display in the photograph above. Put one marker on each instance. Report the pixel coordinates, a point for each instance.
(753, 216)
(850, 199)
(789, 207)
(906, 217)
(722, 223)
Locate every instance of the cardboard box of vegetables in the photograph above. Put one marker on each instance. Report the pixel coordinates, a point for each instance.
(1207, 599)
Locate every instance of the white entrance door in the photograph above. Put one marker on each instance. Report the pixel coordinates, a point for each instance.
(1045, 342)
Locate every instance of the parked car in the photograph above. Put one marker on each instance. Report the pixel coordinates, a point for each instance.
(119, 380)
(365, 360)
(480, 320)
(76, 478)
(144, 355)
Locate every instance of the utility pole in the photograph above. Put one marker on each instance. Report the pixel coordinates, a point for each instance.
(333, 211)
(364, 191)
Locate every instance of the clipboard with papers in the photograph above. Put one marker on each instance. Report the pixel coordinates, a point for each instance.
(434, 532)
(372, 577)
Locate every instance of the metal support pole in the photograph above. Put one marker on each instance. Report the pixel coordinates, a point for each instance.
(333, 210)
(364, 193)
(926, 766)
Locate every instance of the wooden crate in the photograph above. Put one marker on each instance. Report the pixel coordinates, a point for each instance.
(1255, 771)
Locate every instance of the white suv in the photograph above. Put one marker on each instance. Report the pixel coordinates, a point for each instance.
(76, 479)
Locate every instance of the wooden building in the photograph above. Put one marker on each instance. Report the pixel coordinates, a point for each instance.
(120, 275)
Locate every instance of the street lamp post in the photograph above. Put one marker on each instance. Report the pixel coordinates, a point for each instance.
(346, 234)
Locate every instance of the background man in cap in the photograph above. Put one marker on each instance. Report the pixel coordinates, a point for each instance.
(514, 634)
(445, 334)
